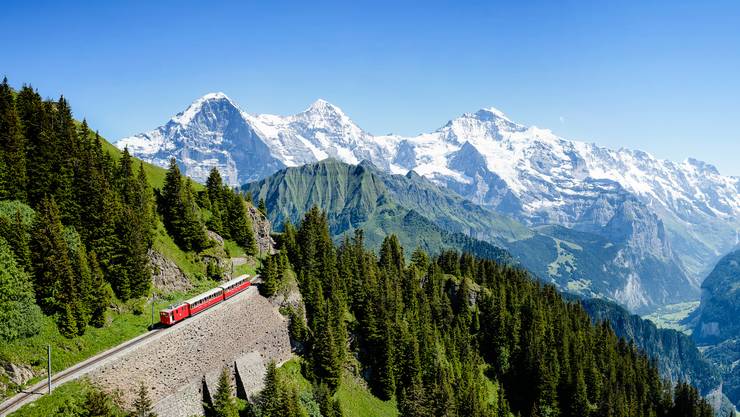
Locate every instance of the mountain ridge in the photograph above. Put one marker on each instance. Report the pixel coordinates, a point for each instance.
(685, 213)
(364, 196)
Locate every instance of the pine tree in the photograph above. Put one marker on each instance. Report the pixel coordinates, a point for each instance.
(100, 296)
(327, 406)
(224, 403)
(67, 150)
(142, 403)
(15, 232)
(41, 152)
(179, 211)
(83, 279)
(214, 222)
(12, 148)
(193, 232)
(67, 321)
(131, 273)
(269, 398)
(214, 187)
(55, 284)
(262, 208)
(291, 405)
(238, 223)
(19, 315)
(297, 326)
(98, 404)
(269, 276)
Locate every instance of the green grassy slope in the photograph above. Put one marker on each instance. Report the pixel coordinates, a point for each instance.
(354, 398)
(154, 174)
(65, 396)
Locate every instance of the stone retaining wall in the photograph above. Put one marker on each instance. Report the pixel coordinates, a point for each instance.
(246, 329)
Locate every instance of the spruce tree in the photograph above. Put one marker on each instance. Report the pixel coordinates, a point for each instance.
(100, 296)
(19, 315)
(41, 152)
(12, 148)
(239, 224)
(269, 275)
(83, 279)
(98, 404)
(214, 187)
(269, 398)
(67, 150)
(142, 403)
(179, 211)
(15, 232)
(224, 403)
(55, 283)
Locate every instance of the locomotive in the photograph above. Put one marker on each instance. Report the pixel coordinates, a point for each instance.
(200, 302)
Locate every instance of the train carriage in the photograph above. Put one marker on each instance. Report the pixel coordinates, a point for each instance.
(205, 300)
(235, 286)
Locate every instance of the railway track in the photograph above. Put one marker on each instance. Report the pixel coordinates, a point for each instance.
(73, 372)
(80, 369)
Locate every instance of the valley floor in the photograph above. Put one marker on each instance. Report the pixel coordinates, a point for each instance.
(673, 316)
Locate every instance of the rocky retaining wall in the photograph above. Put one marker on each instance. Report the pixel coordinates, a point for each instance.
(247, 330)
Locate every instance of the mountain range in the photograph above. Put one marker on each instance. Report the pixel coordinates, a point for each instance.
(652, 226)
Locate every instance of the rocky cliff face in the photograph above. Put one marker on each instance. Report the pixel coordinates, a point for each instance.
(716, 322)
(166, 276)
(262, 231)
(719, 310)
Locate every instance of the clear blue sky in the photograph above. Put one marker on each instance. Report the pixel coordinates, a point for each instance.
(658, 76)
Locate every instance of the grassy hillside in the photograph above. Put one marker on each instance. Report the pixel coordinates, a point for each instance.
(154, 173)
(354, 397)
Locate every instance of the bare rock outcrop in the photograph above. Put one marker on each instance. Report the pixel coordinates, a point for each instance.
(17, 374)
(215, 237)
(166, 276)
(262, 229)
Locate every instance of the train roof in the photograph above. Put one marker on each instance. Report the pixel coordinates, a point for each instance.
(234, 280)
(203, 295)
(171, 308)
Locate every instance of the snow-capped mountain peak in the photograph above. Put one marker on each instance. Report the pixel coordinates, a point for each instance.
(491, 113)
(663, 208)
(323, 107)
(185, 117)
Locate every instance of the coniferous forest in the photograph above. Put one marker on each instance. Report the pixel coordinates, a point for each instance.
(454, 335)
(443, 335)
(76, 224)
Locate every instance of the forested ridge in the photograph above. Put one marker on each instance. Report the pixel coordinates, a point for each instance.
(76, 224)
(455, 335)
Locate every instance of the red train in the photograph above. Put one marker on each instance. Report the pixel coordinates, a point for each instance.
(205, 300)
